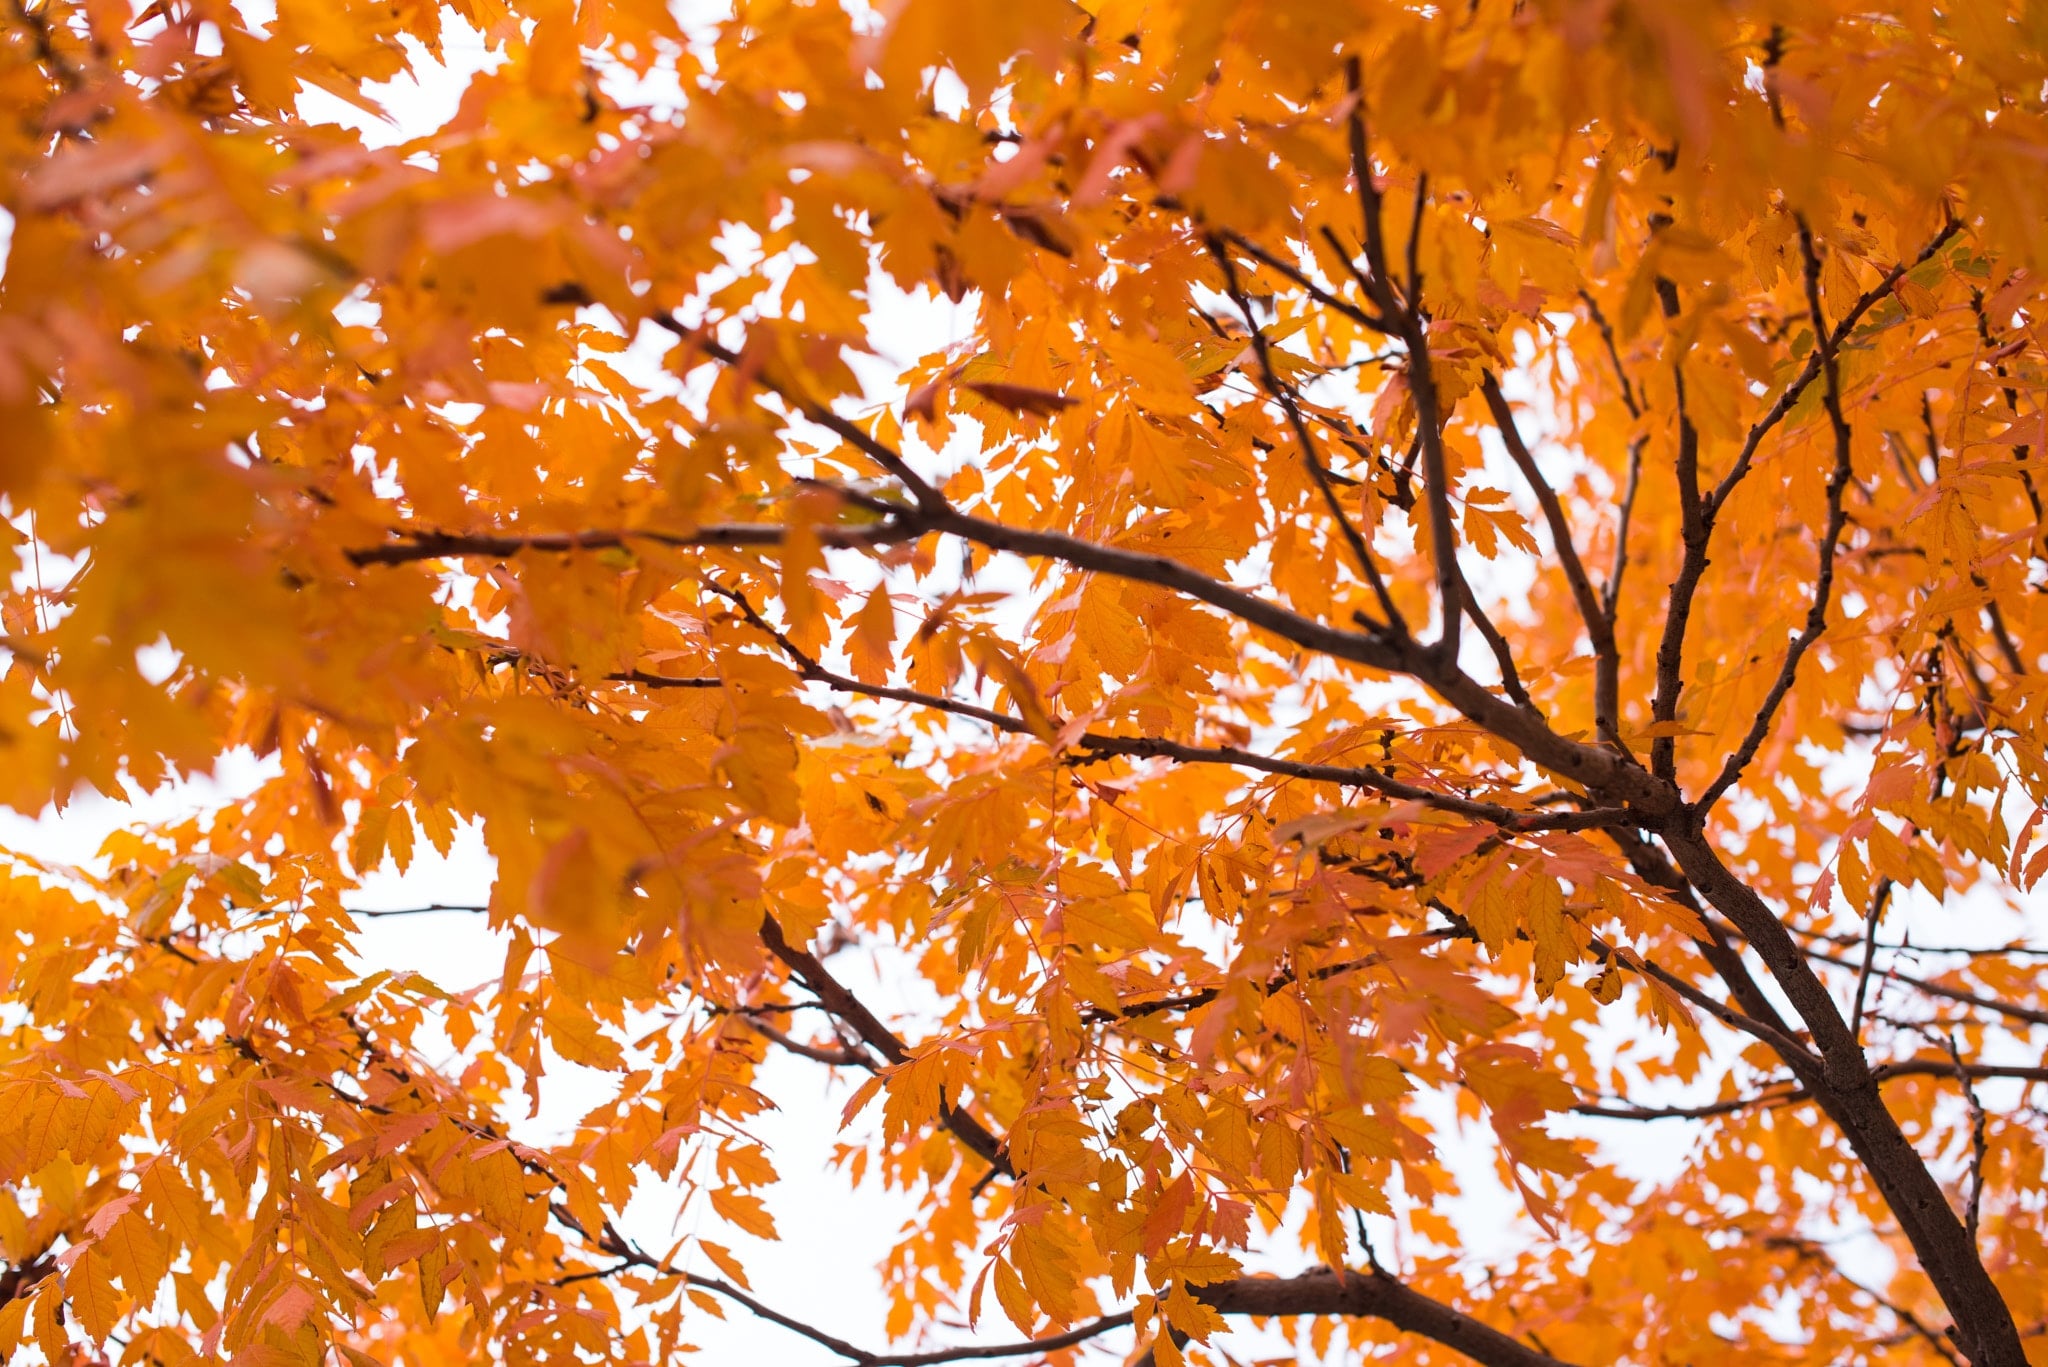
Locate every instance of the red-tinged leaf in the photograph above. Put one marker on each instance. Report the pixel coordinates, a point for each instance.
(974, 1296)
(397, 1131)
(104, 1218)
(292, 1307)
(1021, 399)
(923, 402)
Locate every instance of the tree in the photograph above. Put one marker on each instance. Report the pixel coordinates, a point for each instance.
(1464, 564)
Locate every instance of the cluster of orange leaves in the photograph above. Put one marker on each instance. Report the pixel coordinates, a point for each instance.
(544, 470)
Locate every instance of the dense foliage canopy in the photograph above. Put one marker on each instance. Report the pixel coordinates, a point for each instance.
(1416, 576)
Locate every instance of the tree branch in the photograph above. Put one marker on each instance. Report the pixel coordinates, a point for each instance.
(420, 544)
(864, 1023)
(1975, 952)
(1372, 1295)
(1977, 1140)
(1503, 655)
(1831, 535)
(1308, 286)
(430, 909)
(1808, 1250)
(1772, 1033)
(1848, 1092)
(2011, 1010)
(1508, 818)
(1599, 630)
(1311, 456)
(928, 499)
(1811, 371)
(1094, 744)
(1793, 1094)
(1600, 1110)
(1273, 985)
(1698, 515)
(1589, 765)
(1695, 532)
(1628, 392)
(1408, 319)
(842, 1057)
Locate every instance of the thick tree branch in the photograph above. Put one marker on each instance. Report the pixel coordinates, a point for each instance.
(1588, 765)
(1695, 529)
(1372, 1294)
(1848, 1092)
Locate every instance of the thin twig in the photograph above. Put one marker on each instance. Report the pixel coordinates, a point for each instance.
(1811, 371)
(1311, 456)
(1599, 630)
(1831, 534)
(1408, 318)
(1307, 285)
(1878, 904)
(1972, 1207)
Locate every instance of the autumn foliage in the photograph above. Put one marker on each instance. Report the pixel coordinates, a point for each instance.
(1403, 577)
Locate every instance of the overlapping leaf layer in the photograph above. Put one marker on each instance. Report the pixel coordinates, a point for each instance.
(1314, 585)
